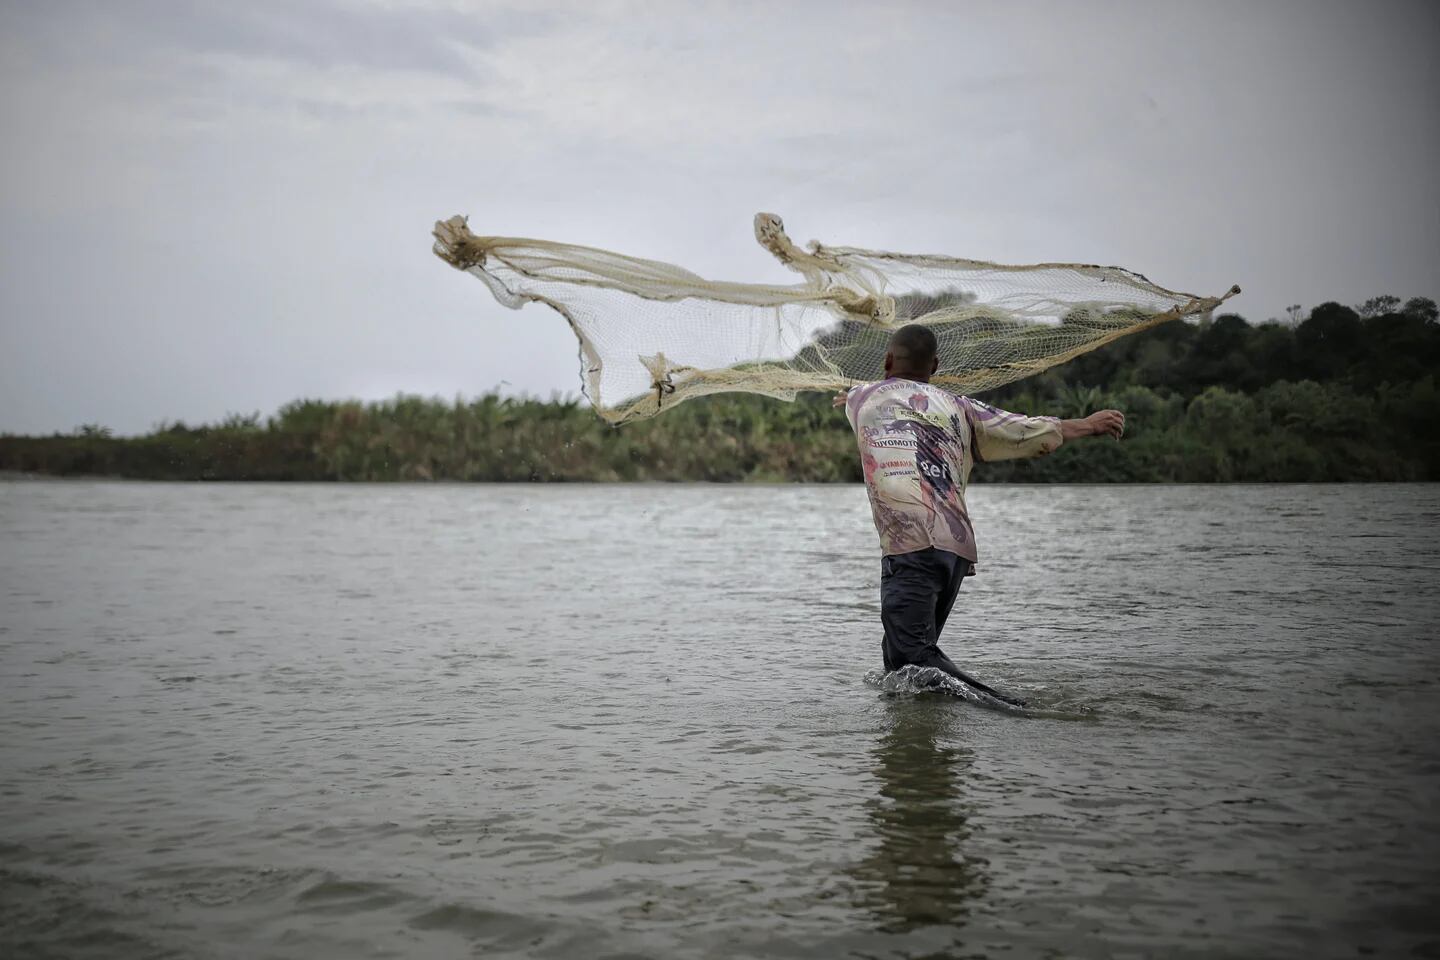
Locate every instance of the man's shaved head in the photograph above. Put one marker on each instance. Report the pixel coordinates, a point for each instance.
(911, 352)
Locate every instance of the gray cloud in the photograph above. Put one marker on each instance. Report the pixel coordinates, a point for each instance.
(317, 33)
(212, 207)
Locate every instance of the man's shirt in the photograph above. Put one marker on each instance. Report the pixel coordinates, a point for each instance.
(918, 444)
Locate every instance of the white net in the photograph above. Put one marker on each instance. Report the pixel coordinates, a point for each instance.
(652, 334)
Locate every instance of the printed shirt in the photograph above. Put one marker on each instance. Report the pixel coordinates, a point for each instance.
(918, 444)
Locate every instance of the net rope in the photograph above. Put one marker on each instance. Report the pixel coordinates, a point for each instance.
(653, 335)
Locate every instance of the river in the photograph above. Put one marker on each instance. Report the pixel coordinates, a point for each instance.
(333, 721)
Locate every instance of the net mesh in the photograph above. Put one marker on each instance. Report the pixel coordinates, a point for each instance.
(653, 335)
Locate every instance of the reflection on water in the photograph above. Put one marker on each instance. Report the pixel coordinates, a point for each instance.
(920, 872)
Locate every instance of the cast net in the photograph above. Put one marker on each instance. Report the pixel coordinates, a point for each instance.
(653, 335)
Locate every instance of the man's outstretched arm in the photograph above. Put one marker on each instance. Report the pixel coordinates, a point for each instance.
(1101, 424)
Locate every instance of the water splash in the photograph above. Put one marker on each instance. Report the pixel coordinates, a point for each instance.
(911, 680)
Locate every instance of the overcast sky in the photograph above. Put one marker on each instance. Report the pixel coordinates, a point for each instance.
(215, 207)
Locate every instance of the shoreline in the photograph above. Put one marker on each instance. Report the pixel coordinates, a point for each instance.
(20, 476)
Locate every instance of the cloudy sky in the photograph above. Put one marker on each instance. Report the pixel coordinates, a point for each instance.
(209, 207)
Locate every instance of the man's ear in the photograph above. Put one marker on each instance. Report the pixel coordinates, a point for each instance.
(934, 365)
(889, 362)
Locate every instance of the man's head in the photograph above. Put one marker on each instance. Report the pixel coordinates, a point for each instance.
(912, 353)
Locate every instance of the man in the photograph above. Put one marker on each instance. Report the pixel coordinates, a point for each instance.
(918, 444)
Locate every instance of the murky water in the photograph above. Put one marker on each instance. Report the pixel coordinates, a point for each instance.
(349, 721)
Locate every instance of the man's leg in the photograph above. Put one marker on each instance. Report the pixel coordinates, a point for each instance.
(950, 572)
(910, 587)
(946, 601)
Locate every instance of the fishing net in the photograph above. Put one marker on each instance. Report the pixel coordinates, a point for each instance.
(653, 335)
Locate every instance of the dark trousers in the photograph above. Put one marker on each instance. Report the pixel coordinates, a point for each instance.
(917, 591)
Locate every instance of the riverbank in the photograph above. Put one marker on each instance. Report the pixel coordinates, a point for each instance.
(1342, 396)
(1285, 432)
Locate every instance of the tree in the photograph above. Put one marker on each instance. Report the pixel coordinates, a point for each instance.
(1330, 341)
(1379, 306)
(1422, 307)
(1272, 351)
(1220, 355)
(1079, 401)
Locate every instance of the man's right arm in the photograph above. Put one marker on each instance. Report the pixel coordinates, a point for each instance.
(1001, 435)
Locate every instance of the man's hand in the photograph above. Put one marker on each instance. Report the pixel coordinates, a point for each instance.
(1104, 423)
(839, 399)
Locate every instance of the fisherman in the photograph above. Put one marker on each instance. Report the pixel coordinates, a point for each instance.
(918, 444)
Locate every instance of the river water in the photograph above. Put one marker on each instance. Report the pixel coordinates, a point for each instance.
(634, 721)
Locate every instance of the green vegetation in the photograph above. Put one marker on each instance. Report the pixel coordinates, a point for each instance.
(1344, 395)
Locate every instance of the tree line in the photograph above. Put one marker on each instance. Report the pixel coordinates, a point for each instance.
(1341, 394)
